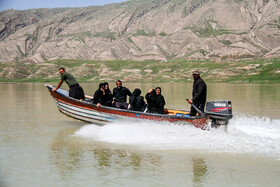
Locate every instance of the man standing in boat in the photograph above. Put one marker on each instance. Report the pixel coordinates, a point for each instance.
(120, 94)
(76, 91)
(198, 94)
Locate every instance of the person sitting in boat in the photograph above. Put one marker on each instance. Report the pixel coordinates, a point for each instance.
(151, 100)
(98, 95)
(108, 97)
(75, 91)
(136, 102)
(120, 94)
(155, 101)
(160, 102)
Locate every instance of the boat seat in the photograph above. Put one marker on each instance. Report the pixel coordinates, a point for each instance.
(182, 115)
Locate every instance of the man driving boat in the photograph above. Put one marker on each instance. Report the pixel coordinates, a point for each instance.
(198, 94)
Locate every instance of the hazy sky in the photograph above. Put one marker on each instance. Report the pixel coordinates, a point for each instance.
(29, 4)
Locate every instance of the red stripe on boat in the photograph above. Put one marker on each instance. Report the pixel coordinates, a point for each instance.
(220, 109)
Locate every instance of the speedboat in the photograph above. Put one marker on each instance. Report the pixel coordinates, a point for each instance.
(217, 112)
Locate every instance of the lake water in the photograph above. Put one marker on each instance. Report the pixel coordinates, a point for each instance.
(39, 146)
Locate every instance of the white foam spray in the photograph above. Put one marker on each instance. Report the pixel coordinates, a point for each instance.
(252, 135)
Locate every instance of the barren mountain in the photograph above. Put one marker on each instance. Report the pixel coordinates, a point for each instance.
(144, 30)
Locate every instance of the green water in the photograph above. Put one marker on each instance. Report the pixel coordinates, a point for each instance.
(39, 146)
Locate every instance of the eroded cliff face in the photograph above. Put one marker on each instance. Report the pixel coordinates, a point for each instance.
(144, 30)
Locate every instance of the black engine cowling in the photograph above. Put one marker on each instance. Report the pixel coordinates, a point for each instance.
(219, 111)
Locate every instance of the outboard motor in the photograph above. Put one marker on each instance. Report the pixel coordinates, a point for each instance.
(219, 111)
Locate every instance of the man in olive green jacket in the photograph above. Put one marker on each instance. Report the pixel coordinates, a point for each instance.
(76, 91)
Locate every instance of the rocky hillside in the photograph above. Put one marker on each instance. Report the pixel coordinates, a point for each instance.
(144, 30)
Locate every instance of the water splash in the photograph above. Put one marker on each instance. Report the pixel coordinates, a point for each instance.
(251, 135)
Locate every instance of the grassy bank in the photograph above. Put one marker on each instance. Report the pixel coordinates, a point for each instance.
(260, 70)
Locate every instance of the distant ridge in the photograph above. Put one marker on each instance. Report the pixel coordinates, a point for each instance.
(144, 30)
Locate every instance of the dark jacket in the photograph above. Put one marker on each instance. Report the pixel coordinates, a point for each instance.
(107, 99)
(120, 94)
(136, 101)
(97, 97)
(155, 102)
(199, 91)
(160, 102)
(151, 101)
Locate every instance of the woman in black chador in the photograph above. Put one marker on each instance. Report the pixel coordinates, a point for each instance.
(136, 102)
(151, 100)
(108, 97)
(160, 102)
(98, 95)
(155, 101)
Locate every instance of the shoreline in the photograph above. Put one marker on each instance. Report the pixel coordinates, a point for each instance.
(246, 71)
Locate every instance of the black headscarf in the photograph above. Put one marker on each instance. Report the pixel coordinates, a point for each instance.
(136, 101)
(100, 85)
(136, 92)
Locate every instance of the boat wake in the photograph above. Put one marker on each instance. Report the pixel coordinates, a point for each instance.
(246, 135)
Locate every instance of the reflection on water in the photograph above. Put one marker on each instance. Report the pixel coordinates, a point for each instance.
(40, 146)
(69, 154)
(199, 171)
(123, 159)
(65, 155)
